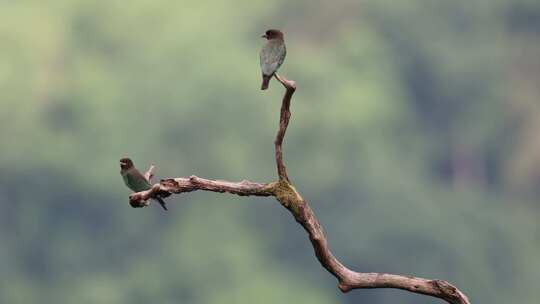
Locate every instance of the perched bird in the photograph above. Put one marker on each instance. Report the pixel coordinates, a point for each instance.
(272, 55)
(135, 180)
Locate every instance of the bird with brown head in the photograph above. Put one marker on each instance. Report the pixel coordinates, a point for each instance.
(135, 180)
(272, 55)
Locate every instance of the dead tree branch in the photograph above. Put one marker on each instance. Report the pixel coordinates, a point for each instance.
(288, 196)
(149, 174)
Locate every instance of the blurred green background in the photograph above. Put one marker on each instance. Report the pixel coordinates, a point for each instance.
(415, 136)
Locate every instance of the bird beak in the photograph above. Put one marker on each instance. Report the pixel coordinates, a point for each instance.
(264, 36)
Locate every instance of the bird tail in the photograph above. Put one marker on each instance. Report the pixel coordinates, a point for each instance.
(265, 81)
(161, 202)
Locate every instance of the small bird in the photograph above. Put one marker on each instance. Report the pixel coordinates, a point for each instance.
(135, 180)
(272, 55)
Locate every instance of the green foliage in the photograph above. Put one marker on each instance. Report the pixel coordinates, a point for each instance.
(413, 137)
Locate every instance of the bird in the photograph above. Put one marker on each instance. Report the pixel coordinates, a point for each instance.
(135, 181)
(272, 55)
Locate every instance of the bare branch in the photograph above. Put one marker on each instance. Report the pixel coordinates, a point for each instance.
(285, 115)
(193, 183)
(349, 280)
(288, 197)
(149, 174)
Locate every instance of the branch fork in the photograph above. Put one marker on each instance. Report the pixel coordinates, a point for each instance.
(287, 195)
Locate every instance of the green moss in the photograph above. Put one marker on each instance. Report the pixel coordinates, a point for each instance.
(287, 195)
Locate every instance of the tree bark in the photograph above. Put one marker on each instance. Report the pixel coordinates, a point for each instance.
(286, 194)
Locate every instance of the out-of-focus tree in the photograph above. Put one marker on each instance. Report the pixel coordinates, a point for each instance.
(429, 111)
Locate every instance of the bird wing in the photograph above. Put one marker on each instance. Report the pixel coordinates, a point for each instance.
(135, 180)
(272, 56)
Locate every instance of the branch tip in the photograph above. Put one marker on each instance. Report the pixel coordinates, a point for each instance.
(149, 174)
